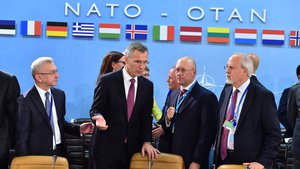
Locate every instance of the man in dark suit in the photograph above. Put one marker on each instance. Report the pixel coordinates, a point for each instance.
(40, 122)
(248, 130)
(293, 112)
(191, 124)
(282, 108)
(9, 92)
(122, 107)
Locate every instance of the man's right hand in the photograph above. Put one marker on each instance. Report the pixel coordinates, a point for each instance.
(100, 122)
(170, 113)
(156, 133)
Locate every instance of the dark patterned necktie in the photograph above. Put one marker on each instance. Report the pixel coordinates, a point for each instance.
(130, 98)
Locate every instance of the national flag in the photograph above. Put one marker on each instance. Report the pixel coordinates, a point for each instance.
(57, 29)
(83, 30)
(295, 38)
(245, 36)
(7, 27)
(109, 30)
(138, 32)
(190, 33)
(163, 32)
(31, 28)
(218, 34)
(273, 37)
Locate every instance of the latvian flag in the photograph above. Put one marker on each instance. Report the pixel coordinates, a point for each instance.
(190, 33)
(165, 33)
(7, 27)
(83, 30)
(31, 28)
(57, 29)
(109, 31)
(273, 37)
(245, 36)
(137, 32)
(295, 38)
(218, 35)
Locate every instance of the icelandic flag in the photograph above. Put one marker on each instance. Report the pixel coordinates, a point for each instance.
(245, 36)
(136, 32)
(83, 30)
(273, 37)
(295, 38)
(31, 28)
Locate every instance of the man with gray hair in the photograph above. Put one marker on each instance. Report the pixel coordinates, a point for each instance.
(40, 122)
(248, 131)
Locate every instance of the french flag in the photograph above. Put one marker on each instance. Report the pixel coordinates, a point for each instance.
(273, 37)
(245, 36)
(31, 28)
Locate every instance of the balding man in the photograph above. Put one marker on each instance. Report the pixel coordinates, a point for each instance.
(255, 60)
(192, 120)
(248, 131)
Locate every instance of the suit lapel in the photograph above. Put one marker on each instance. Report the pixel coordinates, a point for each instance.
(224, 106)
(189, 99)
(37, 101)
(247, 103)
(121, 90)
(138, 99)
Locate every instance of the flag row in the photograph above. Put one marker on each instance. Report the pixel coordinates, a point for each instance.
(244, 36)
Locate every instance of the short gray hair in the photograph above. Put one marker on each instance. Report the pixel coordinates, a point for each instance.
(135, 46)
(246, 62)
(36, 64)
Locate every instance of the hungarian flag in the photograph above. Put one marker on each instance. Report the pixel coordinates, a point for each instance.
(136, 32)
(162, 32)
(7, 27)
(83, 30)
(218, 35)
(57, 29)
(190, 33)
(109, 30)
(245, 36)
(295, 38)
(273, 37)
(31, 28)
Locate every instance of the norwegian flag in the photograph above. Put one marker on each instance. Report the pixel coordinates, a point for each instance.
(136, 32)
(295, 38)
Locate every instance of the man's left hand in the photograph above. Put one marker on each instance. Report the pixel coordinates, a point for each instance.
(254, 165)
(194, 165)
(86, 128)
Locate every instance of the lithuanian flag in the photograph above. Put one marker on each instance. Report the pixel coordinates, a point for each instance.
(218, 35)
(57, 29)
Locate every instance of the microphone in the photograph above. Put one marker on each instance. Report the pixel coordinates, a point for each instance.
(54, 161)
(150, 164)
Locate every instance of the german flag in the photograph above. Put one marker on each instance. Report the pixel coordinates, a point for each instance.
(57, 29)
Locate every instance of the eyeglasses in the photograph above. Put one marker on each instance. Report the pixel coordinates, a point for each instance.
(139, 62)
(48, 73)
(120, 61)
(177, 70)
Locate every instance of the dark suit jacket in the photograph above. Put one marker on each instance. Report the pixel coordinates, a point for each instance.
(9, 91)
(110, 101)
(282, 111)
(195, 126)
(257, 135)
(33, 130)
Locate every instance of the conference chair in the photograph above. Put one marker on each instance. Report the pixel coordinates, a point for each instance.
(163, 161)
(232, 166)
(39, 162)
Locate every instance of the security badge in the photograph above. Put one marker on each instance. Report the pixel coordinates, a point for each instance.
(229, 125)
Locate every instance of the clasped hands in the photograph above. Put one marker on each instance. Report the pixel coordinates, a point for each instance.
(170, 113)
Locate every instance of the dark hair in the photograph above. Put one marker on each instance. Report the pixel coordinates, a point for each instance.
(106, 66)
(298, 70)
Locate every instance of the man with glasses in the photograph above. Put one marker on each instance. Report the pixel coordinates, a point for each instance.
(191, 123)
(40, 122)
(122, 107)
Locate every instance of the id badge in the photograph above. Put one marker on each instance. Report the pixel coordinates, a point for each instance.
(231, 140)
(228, 125)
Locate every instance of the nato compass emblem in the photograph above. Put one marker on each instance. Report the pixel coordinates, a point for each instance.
(206, 81)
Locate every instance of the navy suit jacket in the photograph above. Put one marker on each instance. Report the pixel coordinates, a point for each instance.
(282, 111)
(257, 135)
(33, 129)
(195, 126)
(110, 102)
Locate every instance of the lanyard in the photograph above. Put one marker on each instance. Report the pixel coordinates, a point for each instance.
(235, 113)
(178, 102)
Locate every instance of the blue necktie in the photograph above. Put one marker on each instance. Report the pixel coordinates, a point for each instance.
(48, 106)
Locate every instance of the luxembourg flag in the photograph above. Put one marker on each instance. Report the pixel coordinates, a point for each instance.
(245, 36)
(31, 28)
(273, 37)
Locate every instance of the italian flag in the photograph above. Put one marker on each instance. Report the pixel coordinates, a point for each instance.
(163, 32)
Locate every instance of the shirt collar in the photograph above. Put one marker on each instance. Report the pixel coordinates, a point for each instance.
(188, 87)
(126, 76)
(243, 87)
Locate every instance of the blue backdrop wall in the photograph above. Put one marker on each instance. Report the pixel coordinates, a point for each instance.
(79, 60)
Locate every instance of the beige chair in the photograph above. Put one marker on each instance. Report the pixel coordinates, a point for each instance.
(232, 166)
(163, 161)
(38, 162)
